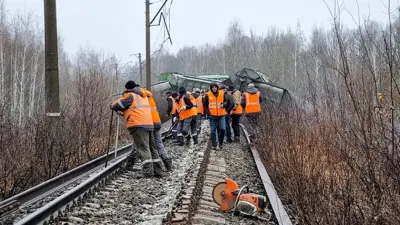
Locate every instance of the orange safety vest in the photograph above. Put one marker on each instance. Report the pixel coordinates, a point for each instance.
(252, 102)
(194, 104)
(139, 113)
(199, 102)
(187, 113)
(215, 104)
(154, 113)
(174, 106)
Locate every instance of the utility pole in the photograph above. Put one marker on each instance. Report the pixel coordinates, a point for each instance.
(140, 69)
(52, 103)
(148, 25)
(148, 66)
(117, 134)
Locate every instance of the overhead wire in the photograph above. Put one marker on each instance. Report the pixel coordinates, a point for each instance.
(164, 27)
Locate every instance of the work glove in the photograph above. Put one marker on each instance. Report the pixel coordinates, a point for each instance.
(174, 119)
(183, 108)
(111, 106)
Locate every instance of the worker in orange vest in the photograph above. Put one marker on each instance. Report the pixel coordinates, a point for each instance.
(193, 123)
(135, 107)
(200, 108)
(214, 105)
(171, 111)
(251, 102)
(236, 112)
(185, 114)
(157, 133)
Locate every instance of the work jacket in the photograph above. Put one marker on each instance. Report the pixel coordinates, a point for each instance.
(172, 106)
(154, 113)
(187, 112)
(251, 101)
(215, 103)
(237, 108)
(136, 109)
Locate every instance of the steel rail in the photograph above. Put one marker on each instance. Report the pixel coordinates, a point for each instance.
(61, 180)
(55, 206)
(50, 186)
(280, 213)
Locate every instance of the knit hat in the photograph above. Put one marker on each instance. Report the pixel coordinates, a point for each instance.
(174, 94)
(231, 88)
(182, 90)
(251, 85)
(196, 90)
(130, 84)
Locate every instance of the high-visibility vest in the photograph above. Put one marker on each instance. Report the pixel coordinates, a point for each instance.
(199, 102)
(187, 113)
(252, 102)
(139, 113)
(238, 110)
(194, 104)
(154, 113)
(216, 104)
(174, 106)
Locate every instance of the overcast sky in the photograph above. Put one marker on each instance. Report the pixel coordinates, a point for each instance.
(117, 26)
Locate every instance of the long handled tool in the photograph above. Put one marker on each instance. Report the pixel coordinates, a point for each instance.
(172, 126)
(109, 137)
(173, 123)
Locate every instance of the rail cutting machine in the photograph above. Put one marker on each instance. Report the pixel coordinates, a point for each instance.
(229, 196)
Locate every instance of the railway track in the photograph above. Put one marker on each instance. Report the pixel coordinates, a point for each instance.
(113, 195)
(240, 162)
(29, 203)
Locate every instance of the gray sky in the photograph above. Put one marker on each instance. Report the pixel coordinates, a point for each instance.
(117, 26)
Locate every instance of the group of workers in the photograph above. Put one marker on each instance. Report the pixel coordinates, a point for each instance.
(187, 109)
(223, 107)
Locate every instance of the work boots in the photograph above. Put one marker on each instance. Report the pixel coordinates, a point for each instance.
(174, 135)
(195, 139)
(237, 139)
(180, 141)
(167, 163)
(158, 172)
(188, 140)
(220, 145)
(130, 163)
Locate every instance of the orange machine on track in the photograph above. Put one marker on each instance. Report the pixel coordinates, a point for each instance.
(229, 196)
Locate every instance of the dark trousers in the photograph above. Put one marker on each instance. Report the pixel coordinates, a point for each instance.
(147, 152)
(174, 130)
(199, 119)
(217, 123)
(235, 124)
(193, 126)
(184, 126)
(228, 127)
